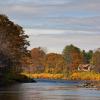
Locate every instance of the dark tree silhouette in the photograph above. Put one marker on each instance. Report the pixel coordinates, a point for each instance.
(13, 45)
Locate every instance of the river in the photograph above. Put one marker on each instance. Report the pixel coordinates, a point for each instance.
(48, 90)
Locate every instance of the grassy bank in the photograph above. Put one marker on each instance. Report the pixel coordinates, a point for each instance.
(85, 76)
(72, 76)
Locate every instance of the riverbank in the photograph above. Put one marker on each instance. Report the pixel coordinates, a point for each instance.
(72, 76)
(87, 79)
(18, 79)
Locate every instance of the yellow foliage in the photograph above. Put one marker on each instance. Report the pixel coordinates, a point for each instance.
(45, 76)
(85, 76)
(73, 76)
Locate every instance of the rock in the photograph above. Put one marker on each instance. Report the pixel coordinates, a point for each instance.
(90, 84)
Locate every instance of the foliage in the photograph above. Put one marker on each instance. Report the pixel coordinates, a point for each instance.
(85, 76)
(96, 60)
(44, 76)
(13, 45)
(73, 76)
(55, 63)
(38, 57)
(56, 66)
(87, 56)
(73, 56)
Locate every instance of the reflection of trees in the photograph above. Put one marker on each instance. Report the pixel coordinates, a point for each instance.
(9, 96)
(46, 92)
(21, 92)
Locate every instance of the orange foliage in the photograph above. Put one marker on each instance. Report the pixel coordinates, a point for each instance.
(54, 63)
(72, 56)
(73, 76)
(38, 56)
(85, 76)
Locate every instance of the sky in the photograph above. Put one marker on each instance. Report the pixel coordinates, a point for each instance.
(53, 24)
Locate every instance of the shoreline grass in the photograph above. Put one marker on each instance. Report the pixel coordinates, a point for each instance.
(73, 76)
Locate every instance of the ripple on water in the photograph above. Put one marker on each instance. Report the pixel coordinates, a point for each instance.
(48, 91)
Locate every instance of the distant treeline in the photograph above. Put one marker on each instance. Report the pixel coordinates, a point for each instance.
(68, 61)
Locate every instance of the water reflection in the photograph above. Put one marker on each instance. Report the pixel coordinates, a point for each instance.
(48, 91)
(9, 97)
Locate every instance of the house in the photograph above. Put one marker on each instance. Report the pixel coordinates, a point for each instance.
(85, 67)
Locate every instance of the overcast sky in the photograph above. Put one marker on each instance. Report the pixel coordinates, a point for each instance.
(57, 23)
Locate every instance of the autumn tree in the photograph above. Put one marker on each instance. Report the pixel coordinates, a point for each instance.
(72, 56)
(13, 45)
(87, 56)
(96, 60)
(38, 56)
(55, 63)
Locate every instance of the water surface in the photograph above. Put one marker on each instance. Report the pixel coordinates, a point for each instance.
(49, 90)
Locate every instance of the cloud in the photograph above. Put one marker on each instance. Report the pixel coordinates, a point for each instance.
(47, 32)
(85, 23)
(56, 41)
(55, 23)
(54, 14)
(51, 6)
